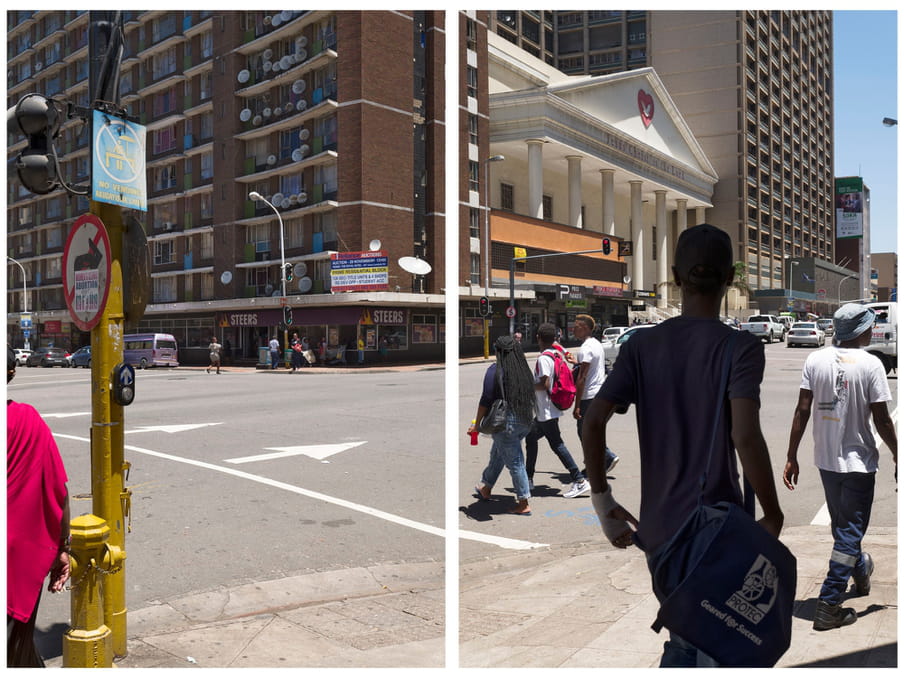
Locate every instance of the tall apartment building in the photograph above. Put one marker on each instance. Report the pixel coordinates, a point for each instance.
(756, 89)
(335, 117)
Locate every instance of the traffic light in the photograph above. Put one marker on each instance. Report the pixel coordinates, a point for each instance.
(289, 276)
(287, 316)
(607, 246)
(39, 119)
(484, 308)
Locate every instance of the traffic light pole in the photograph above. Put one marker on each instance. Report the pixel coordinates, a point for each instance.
(111, 500)
(533, 256)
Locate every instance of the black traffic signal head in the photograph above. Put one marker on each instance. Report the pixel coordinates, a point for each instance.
(607, 246)
(484, 307)
(39, 119)
(289, 276)
(287, 316)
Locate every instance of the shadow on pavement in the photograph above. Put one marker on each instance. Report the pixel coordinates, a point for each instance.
(806, 609)
(880, 655)
(49, 641)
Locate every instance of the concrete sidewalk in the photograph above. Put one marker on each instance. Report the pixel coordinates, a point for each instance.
(591, 605)
(578, 605)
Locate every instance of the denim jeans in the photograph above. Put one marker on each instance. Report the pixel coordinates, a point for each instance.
(849, 497)
(274, 359)
(506, 451)
(677, 652)
(550, 431)
(585, 405)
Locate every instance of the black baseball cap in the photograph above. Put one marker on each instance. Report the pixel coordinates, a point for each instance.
(703, 253)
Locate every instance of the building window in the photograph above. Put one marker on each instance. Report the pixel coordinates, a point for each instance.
(165, 289)
(472, 82)
(164, 140)
(473, 176)
(472, 128)
(207, 166)
(164, 63)
(207, 45)
(206, 246)
(475, 269)
(507, 196)
(164, 252)
(165, 178)
(547, 208)
(207, 205)
(474, 222)
(294, 233)
(164, 102)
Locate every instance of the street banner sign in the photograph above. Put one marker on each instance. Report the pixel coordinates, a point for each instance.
(849, 201)
(626, 248)
(86, 271)
(25, 321)
(359, 271)
(118, 172)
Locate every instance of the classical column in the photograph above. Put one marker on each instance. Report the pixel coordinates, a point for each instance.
(701, 215)
(637, 230)
(574, 190)
(681, 215)
(535, 178)
(662, 252)
(608, 178)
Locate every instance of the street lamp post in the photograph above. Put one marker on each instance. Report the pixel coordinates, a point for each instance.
(840, 282)
(791, 282)
(486, 251)
(24, 294)
(254, 195)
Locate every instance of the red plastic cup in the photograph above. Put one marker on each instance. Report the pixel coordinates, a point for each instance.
(474, 435)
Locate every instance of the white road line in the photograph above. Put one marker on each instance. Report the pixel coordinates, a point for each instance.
(502, 542)
(376, 513)
(171, 428)
(319, 452)
(822, 516)
(64, 415)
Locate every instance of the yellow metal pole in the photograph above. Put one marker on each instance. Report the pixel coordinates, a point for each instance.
(88, 642)
(486, 338)
(107, 452)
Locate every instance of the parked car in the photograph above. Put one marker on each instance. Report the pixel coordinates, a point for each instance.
(766, 327)
(611, 348)
(806, 334)
(48, 356)
(22, 355)
(613, 333)
(827, 326)
(81, 358)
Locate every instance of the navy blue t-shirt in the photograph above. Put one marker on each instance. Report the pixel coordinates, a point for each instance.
(671, 374)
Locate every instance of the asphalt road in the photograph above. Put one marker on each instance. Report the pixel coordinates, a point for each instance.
(487, 529)
(205, 515)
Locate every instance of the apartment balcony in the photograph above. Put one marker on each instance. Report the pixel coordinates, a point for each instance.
(254, 41)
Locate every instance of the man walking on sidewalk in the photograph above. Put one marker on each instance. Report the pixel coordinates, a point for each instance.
(671, 375)
(546, 424)
(848, 386)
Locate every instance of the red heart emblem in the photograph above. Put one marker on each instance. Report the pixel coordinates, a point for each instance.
(645, 104)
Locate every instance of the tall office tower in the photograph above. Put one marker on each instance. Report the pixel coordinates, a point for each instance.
(334, 117)
(755, 87)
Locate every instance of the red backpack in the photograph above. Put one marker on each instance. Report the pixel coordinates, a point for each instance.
(562, 390)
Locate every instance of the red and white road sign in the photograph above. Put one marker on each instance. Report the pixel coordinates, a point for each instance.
(510, 312)
(86, 271)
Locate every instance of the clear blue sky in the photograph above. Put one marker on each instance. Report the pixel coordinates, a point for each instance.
(866, 90)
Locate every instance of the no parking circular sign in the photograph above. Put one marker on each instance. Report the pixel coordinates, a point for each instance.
(86, 271)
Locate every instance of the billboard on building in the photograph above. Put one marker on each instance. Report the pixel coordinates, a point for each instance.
(359, 271)
(849, 207)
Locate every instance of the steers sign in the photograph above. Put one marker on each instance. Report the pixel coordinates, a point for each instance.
(86, 271)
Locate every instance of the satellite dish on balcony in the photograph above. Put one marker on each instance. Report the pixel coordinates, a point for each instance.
(302, 197)
(277, 20)
(300, 269)
(304, 285)
(277, 199)
(276, 67)
(304, 134)
(268, 289)
(297, 155)
(302, 41)
(226, 278)
(271, 160)
(268, 54)
(277, 111)
(286, 203)
(245, 115)
(415, 265)
(285, 63)
(304, 148)
(299, 86)
(286, 16)
(288, 107)
(257, 120)
(375, 245)
(301, 55)
(244, 76)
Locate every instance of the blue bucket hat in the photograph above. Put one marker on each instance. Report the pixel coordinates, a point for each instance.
(852, 320)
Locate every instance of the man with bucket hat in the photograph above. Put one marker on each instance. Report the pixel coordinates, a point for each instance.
(846, 386)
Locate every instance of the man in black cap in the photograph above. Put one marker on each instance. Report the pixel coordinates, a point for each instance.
(671, 373)
(848, 386)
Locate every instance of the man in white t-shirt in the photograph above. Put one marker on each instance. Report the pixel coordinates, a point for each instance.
(590, 375)
(546, 424)
(846, 386)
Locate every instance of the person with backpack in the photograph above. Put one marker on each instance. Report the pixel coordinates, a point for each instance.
(554, 391)
(590, 375)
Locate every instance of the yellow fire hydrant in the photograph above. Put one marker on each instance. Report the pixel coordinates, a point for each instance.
(88, 643)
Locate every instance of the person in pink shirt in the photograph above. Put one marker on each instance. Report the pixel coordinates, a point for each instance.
(37, 524)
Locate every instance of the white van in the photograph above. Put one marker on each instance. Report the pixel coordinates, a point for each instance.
(150, 350)
(884, 344)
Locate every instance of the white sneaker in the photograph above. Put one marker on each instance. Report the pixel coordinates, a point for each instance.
(612, 465)
(577, 489)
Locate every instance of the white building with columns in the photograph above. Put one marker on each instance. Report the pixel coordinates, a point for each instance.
(604, 154)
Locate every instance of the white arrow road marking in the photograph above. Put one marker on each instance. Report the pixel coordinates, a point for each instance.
(822, 516)
(314, 451)
(376, 513)
(171, 428)
(64, 415)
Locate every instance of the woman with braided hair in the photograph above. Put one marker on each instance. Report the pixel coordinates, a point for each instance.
(516, 384)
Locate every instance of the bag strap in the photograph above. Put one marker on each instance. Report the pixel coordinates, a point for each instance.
(551, 353)
(723, 385)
